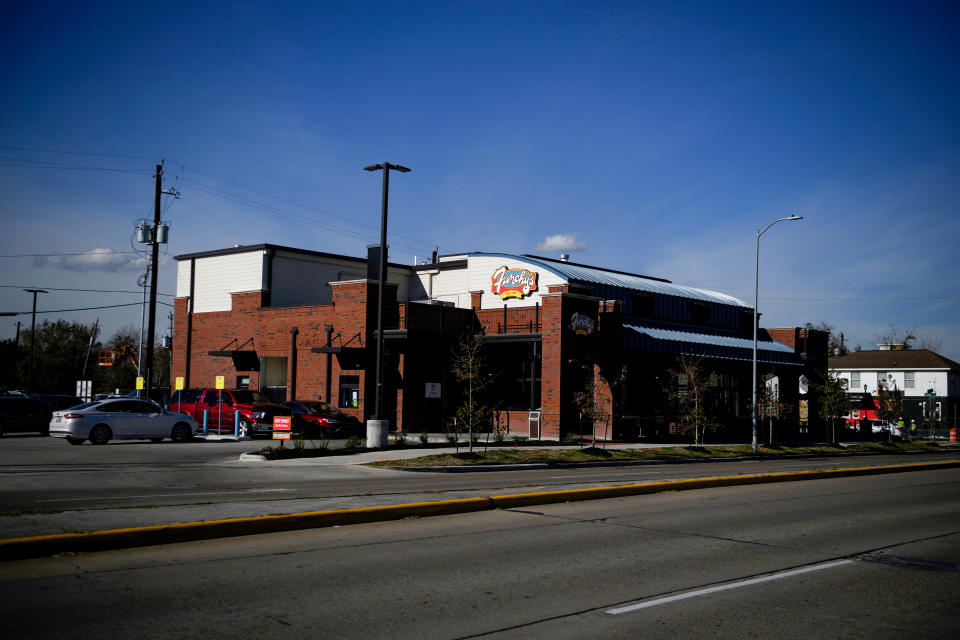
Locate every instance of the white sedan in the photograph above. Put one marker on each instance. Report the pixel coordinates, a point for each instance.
(122, 418)
(889, 427)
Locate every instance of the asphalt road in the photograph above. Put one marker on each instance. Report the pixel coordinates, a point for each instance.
(48, 486)
(860, 557)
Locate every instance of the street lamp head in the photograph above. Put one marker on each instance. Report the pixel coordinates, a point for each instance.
(794, 218)
(387, 165)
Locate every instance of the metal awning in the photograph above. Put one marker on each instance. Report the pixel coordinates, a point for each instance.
(725, 347)
(242, 360)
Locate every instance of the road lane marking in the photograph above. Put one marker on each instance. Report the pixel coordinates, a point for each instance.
(727, 587)
(167, 495)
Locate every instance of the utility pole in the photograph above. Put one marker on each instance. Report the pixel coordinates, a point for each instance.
(33, 334)
(155, 236)
(154, 256)
(93, 336)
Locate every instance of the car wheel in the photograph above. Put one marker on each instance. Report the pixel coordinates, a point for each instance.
(73, 440)
(181, 432)
(100, 434)
(245, 424)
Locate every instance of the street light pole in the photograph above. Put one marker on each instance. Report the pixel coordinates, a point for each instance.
(756, 287)
(386, 167)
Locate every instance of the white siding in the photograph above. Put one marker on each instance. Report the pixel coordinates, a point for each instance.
(925, 379)
(183, 279)
(304, 279)
(217, 277)
(448, 286)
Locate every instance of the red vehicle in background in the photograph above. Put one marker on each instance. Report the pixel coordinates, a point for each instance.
(867, 410)
(255, 409)
(315, 416)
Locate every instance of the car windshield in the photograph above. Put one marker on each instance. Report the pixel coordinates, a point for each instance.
(244, 396)
(320, 407)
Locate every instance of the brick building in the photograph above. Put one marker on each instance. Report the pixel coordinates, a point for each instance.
(296, 323)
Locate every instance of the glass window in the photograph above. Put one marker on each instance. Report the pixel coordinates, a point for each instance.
(881, 378)
(909, 379)
(855, 380)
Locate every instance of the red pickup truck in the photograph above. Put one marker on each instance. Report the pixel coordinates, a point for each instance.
(255, 409)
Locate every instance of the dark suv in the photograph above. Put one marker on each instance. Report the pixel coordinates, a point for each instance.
(21, 413)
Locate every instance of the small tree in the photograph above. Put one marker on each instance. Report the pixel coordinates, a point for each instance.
(769, 405)
(833, 401)
(889, 406)
(469, 368)
(585, 400)
(693, 383)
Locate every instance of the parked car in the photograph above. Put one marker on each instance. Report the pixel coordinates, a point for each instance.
(312, 415)
(255, 409)
(57, 402)
(878, 426)
(122, 419)
(23, 413)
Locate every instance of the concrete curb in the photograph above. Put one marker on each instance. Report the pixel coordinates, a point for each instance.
(38, 546)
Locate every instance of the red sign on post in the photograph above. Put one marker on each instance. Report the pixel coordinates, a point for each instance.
(281, 423)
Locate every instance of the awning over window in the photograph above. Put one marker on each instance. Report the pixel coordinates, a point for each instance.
(659, 340)
(242, 360)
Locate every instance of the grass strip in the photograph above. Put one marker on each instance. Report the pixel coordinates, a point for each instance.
(507, 456)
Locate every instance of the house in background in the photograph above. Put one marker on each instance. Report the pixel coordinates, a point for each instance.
(914, 372)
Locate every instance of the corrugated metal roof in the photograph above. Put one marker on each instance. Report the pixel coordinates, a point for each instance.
(594, 275)
(704, 338)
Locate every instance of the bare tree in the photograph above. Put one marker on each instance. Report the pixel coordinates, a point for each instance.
(469, 368)
(693, 383)
(898, 339)
(889, 406)
(769, 405)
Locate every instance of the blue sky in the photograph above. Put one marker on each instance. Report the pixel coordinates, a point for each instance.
(652, 137)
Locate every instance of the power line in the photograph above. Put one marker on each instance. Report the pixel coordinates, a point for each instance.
(45, 164)
(78, 153)
(56, 255)
(349, 220)
(294, 216)
(111, 306)
(13, 286)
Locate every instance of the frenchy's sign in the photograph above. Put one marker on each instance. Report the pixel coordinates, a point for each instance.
(513, 283)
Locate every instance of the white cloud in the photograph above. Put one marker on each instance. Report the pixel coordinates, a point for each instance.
(561, 242)
(95, 260)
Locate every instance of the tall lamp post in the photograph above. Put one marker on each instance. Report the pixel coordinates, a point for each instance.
(756, 281)
(376, 428)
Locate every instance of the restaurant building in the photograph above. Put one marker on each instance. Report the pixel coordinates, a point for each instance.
(302, 324)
